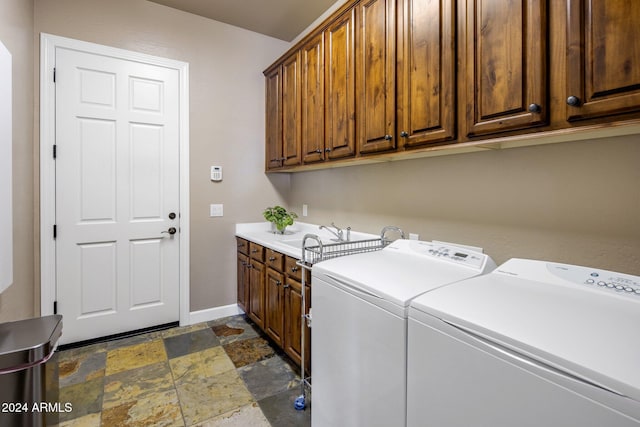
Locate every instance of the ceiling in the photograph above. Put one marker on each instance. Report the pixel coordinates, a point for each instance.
(282, 19)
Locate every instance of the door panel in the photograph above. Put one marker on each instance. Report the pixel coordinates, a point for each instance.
(427, 101)
(117, 180)
(603, 60)
(313, 100)
(340, 86)
(506, 65)
(291, 129)
(375, 64)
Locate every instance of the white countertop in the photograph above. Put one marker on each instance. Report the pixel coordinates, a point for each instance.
(260, 233)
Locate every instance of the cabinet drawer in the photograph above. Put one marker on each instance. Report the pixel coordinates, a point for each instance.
(274, 259)
(256, 251)
(294, 271)
(243, 245)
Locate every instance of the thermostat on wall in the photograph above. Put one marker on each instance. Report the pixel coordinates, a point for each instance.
(216, 173)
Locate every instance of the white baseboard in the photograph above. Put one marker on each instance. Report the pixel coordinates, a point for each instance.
(213, 313)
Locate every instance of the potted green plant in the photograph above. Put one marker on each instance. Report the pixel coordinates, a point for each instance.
(280, 217)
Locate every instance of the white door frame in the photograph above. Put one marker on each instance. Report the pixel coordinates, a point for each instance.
(48, 45)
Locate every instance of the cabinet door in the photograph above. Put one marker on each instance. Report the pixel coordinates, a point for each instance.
(505, 65)
(603, 62)
(274, 305)
(293, 322)
(256, 293)
(312, 88)
(273, 117)
(340, 87)
(426, 72)
(291, 110)
(375, 71)
(243, 281)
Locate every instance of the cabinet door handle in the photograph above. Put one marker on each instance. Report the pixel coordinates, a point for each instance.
(404, 134)
(318, 151)
(327, 150)
(286, 286)
(573, 101)
(388, 137)
(278, 283)
(535, 108)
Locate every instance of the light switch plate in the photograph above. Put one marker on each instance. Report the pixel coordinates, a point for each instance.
(215, 210)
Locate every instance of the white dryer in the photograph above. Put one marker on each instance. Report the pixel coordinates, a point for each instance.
(359, 332)
(532, 344)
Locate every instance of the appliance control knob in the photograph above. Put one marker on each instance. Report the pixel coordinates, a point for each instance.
(590, 281)
(601, 283)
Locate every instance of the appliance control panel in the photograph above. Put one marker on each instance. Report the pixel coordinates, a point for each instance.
(448, 253)
(604, 280)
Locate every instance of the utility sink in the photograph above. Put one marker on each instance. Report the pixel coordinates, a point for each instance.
(297, 243)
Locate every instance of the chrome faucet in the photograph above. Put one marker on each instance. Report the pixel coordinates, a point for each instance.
(339, 233)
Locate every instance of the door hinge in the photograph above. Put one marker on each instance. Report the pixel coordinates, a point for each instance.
(54, 74)
(55, 307)
(55, 231)
(55, 151)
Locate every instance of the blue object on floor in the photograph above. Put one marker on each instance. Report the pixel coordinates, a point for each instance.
(299, 403)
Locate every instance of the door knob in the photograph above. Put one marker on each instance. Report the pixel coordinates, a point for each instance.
(171, 230)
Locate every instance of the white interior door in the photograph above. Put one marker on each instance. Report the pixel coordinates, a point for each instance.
(117, 194)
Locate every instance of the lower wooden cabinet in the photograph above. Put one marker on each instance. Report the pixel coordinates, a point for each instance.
(256, 293)
(274, 303)
(270, 293)
(293, 321)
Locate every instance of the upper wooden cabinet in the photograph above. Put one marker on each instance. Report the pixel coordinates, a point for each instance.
(426, 76)
(312, 88)
(283, 103)
(382, 78)
(603, 58)
(375, 75)
(506, 65)
(291, 97)
(273, 118)
(340, 86)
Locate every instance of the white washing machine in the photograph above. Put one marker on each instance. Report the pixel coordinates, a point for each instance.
(359, 332)
(532, 344)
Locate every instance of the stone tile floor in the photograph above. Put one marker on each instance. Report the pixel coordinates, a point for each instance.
(218, 373)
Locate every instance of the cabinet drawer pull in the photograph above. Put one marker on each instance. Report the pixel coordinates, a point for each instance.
(294, 269)
(272, 258)
(286, 286)
(254, 251)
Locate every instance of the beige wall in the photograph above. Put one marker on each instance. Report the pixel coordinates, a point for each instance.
(574, 202)
(226, 116)
(16, 33)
